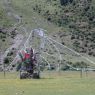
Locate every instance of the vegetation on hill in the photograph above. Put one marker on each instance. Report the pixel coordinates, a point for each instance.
(69, 21)
(5, 20)
(5, 23)
(4, 34)
(76, 15)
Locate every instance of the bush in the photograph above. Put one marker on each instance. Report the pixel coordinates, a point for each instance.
(6, 60)
(10, 53)
(80, 64)
(64, 2)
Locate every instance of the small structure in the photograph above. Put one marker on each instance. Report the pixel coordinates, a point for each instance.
(30, 60)
(28, 65)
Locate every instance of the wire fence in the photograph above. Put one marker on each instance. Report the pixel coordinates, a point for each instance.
(52, 74)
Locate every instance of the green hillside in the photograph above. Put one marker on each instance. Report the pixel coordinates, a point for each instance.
(5, 23)
(76, 18)
(72, 24)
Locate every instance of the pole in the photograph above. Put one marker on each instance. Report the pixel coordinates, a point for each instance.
(86, 72)
(4, 70)
(81, 73)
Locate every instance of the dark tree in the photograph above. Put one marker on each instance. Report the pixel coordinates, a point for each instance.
(64, 2)
(70, 1)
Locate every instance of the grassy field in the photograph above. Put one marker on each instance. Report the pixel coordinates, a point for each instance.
(67, 83)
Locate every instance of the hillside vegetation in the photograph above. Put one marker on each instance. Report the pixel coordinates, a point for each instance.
(71, 22)
(76, 15)
(5, 23)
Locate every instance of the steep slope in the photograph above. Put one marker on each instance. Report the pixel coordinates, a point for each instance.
(71, 24)
(5, 23)
(77, 16)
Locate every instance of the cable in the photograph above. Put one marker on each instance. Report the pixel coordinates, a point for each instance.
(73, 51)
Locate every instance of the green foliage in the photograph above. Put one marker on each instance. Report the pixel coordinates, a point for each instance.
(78, 16)
(80, 65)
(10, 53)
(64, 2)
(7, 60)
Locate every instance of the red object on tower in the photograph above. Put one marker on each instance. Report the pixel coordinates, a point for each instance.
(27, 56)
